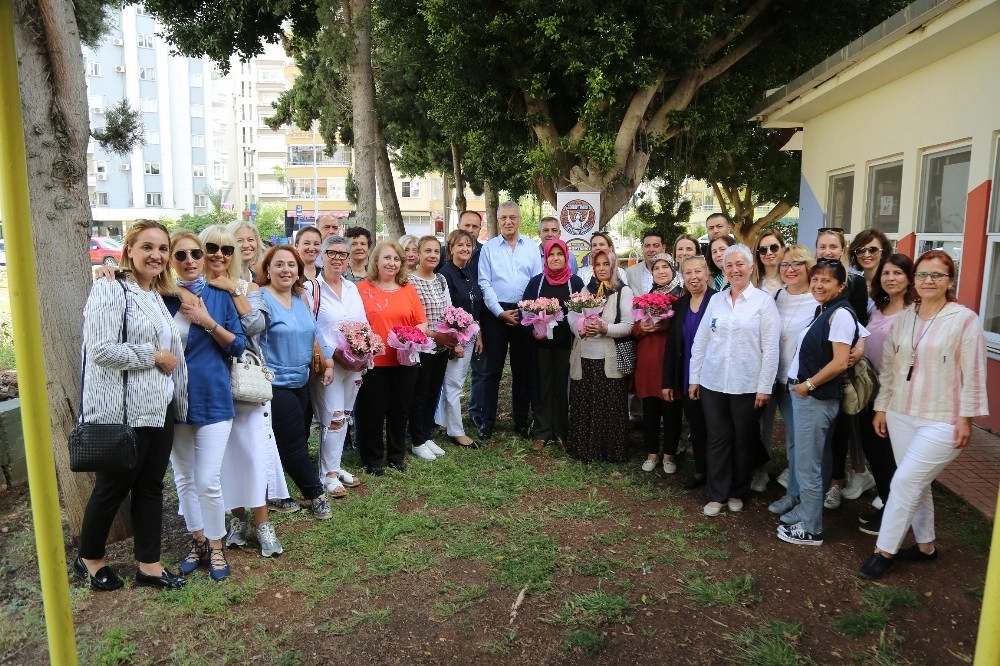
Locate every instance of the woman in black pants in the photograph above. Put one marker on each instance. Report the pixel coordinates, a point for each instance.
(151, 364)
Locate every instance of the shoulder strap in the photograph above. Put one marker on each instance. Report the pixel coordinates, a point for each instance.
(316, 297)
(850, 311)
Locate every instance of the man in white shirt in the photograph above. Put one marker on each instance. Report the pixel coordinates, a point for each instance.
(548, 229)
(640, 276)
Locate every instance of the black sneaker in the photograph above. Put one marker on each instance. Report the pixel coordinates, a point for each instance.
(876, 567)
(870, 523)
(914, 554)
(797, 535)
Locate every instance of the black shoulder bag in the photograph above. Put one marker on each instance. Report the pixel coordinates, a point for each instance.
(624, 347)
(104, 447)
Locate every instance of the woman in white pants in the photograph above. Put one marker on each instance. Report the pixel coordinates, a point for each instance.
(933, 382)
(339, 302)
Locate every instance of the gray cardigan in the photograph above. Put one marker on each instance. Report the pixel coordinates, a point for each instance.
(107, 356)
(620, 330)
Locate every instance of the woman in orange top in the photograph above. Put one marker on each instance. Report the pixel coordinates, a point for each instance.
(385, 396)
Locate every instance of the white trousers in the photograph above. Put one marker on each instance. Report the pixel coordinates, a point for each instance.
(197, 462)
(247, 461)
(449, 409)
(333, 404)
(922, 449)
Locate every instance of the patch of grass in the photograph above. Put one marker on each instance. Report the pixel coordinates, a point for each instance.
(772, 644)
(113, 648)
(709, 531)
(367, 615)
(599, 566)
(585, 641)
(502, 644)
(724, 594)
(587, 509)
(674, 512)
(461, 599)
(879, 601)
(204, 598)
(527, 561)
(593, 609)
(611, 538)
(886, 653)
(746, 547)
(965, 522)
(891, 598)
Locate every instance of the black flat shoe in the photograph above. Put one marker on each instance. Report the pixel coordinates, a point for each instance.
(105, 580)
(693, 482)
(485, 432)
(914, 554)
(165, 581)
(398, 466)
(375, 471)
(472, 445)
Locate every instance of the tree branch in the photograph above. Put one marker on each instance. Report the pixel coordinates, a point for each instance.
(753, 11)
(735, 54)
(775, 213)
(546, 132)
(723, 202)
(679, 98)
(579, 130)
(632, 121)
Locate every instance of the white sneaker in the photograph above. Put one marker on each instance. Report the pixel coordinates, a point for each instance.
(669, 467)
(648, 465)
(759, 482)
(832, 500)
(435, 449)
(783, 478)
(858, 484)
(424, 452)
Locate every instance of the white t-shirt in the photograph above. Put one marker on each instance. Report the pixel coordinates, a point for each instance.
(796, 311)
(841, 330)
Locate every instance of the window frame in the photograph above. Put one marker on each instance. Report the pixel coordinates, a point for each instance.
(872, 167)
(154, 199)
(830, 189)
(151, 168)
(94, 68)
(926, 156)
(992, 242)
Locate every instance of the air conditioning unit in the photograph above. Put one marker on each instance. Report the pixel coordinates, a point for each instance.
(102, 176)
(119, 42)
(97, 109)
(126, 167)
(120, 69)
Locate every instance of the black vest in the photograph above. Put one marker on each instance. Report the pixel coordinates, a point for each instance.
(817, 350)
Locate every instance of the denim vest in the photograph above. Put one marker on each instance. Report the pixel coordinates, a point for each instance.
(817, 350)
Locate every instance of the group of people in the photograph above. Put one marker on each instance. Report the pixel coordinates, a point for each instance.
(751, 331)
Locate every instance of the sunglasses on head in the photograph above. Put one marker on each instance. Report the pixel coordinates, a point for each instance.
(833, 230)
(227, 250)
(182, 255)
(772, 248)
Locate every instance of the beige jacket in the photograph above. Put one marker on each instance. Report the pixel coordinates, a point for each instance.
(620, 330)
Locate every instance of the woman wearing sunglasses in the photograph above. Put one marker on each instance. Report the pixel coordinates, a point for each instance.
(211, 331)
(867, 252)
(767, 253)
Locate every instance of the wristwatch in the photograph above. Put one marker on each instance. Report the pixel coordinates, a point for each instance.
(241, 288)
(810, 385)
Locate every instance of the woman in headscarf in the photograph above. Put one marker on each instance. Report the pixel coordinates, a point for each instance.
(552, 354)
(598, 421)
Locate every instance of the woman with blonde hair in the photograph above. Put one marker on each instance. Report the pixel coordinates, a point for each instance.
(250, 246)
(410, 252)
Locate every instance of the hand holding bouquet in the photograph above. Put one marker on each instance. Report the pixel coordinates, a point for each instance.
(651, 309)
(360, 345)
(409, 342)
(584, 310)
(543, 314)
(459, 323)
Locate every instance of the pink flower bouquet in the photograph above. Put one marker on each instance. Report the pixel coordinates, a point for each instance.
(653, 308)
(543, 314)
(409, 342)
(584, 309)
(360, 345)
(459, 323)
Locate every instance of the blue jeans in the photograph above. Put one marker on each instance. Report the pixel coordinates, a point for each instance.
(783, 400)
(813, 438)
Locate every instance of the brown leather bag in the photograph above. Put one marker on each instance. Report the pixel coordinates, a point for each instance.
(318, 364)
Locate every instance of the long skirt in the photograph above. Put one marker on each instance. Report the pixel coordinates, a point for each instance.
(598, 415)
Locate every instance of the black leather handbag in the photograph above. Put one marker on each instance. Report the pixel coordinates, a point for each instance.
(104, 447)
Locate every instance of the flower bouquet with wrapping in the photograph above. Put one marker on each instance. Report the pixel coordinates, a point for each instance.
(651, 309)
(409, 342)
(459, 323)
(360, 345)
(584, 309)
(542, 314)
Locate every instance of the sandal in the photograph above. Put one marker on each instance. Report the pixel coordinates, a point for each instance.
(334, 487)
(218, 565)
(196, 556)
(348, 479)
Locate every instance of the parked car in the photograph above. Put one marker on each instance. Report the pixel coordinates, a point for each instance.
(104, 250)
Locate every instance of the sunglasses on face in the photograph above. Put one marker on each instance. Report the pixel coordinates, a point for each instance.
(772, 248)
(196, 254)
(227, 250)
(336, 254)
(867, 250)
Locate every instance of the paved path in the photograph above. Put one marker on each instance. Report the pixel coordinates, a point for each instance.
(975, 474)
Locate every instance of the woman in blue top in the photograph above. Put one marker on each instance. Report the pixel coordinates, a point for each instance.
(288, 346)
(211, 332)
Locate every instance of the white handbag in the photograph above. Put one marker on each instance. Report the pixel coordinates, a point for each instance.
(249, 379)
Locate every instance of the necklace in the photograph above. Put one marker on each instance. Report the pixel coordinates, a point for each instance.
(784, 322)
(913, 333)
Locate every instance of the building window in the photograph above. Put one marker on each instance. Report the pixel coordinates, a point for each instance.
(944, 191)
(147, 73)
(337, 187)
(885, 182)
(341, 155)
(219, 145)
(840, 195)
(197, 140)
(148, 104)
(99, 199)
(96, 103)
(151, 168)
(269, 75)
(307, 188)
(220, 171)
(144, 41)
(197, 111)
(93, 68)
(201, 201)
(198, 171)
(195, 80)
(262, 119)
(411, 189)
(101, 167)
(154, 199)
(152, 137)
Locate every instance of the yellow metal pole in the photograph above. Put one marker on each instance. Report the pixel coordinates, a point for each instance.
(988, 641)
(28, 350)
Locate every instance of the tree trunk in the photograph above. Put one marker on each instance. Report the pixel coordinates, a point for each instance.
(359, 20)
(492, 203)
(387, 186)
(56, 132)
(446, 201)
(461, 203)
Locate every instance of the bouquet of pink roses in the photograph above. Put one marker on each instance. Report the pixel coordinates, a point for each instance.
(457, 322)
(542, 313)
(584, 309)
(360, 345)
(653, 308)
(409, 341)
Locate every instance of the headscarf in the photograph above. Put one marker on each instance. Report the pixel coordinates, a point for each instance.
(602, 288)
(563, 276)
(675, 282)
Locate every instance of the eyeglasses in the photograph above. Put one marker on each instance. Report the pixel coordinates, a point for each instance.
(870, 250)
(835, 230)
(182, 255)
(785, 265)
(227, 250)
(934, 277)
(336, 254)
(772, 248)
